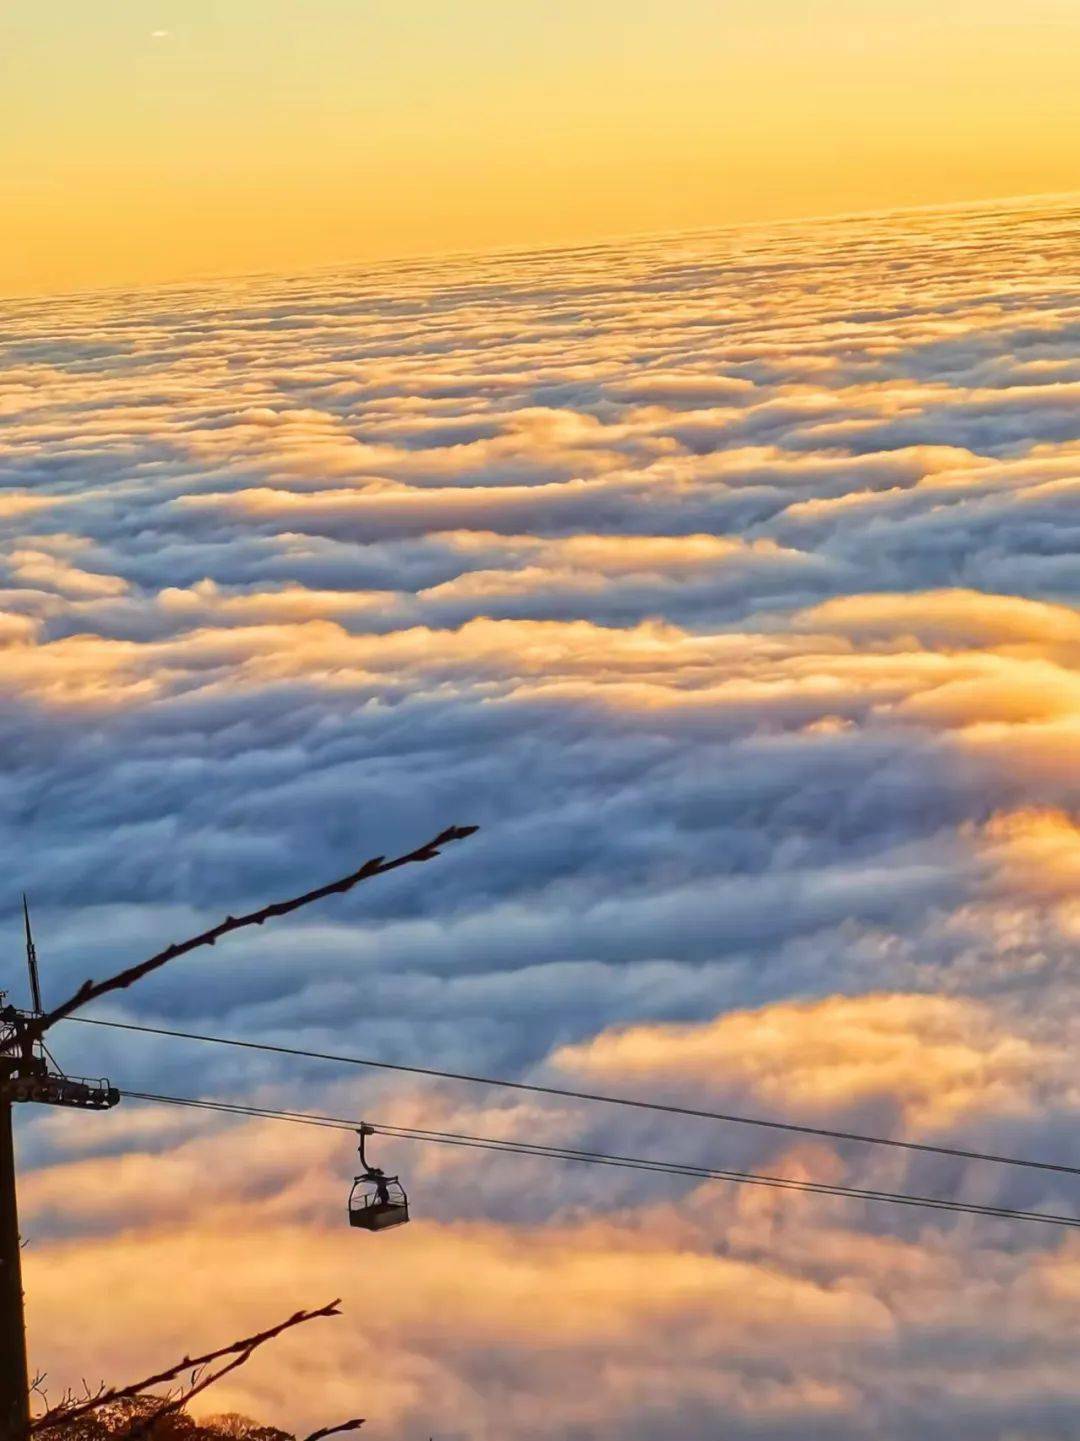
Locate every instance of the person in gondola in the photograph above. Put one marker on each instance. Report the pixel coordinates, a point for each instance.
(377, 1201)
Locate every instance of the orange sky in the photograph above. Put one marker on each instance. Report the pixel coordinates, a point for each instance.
(217, 136)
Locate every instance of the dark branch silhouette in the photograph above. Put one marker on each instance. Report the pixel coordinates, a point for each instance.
(199, 1383)
(353, 1425)
(91, 990)
(240, 1351)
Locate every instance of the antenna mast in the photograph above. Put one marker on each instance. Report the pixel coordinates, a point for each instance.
(31, 961)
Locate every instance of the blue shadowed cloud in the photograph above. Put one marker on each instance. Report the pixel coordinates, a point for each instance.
(729, 584)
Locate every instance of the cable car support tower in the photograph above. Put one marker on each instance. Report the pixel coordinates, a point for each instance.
(27, 1073)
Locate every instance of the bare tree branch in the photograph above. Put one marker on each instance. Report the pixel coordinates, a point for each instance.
(91, 990)
(198, 1384)
(353, 1425)
(240, 1351)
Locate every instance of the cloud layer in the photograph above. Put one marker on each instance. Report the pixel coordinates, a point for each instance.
(729, 583)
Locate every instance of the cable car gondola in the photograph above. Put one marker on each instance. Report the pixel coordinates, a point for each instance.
(377, 1201)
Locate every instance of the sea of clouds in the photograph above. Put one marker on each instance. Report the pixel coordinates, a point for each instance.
(728, 583)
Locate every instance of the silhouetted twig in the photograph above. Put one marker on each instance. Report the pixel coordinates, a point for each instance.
(353, 1425)
(240, 1351)
(378, 866)
(199, 1383)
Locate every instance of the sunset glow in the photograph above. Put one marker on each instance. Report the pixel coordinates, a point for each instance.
(723, 573)
(221, 136)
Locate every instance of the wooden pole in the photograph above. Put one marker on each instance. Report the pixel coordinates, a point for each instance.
(14, 1377)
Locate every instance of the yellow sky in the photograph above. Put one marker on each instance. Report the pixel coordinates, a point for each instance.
(145, 140)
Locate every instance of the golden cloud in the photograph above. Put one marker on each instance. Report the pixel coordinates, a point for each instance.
(934, 1058)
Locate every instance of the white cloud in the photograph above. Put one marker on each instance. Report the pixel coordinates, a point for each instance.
(733, 593)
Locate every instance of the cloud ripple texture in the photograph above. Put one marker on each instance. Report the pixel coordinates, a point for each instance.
(728, 582)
